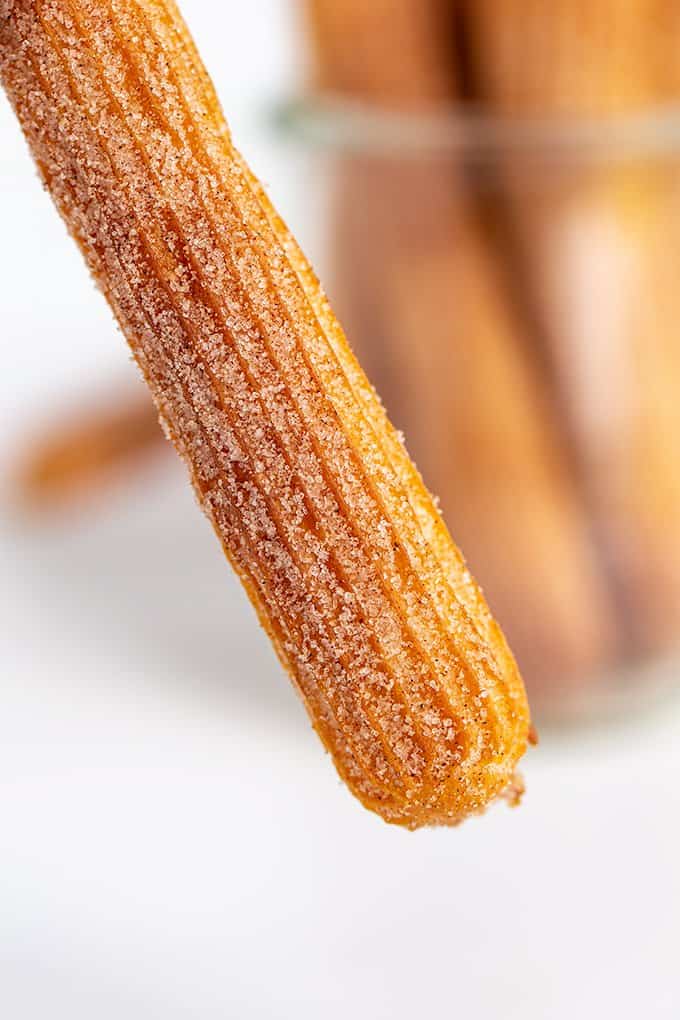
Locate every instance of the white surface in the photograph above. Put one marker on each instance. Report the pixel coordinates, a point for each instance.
(172, 841)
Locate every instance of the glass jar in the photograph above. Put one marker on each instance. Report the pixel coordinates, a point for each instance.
(510, 287)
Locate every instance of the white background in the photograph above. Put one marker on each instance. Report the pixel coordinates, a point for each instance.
(173, 843)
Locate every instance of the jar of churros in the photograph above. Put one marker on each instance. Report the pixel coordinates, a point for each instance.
(501, 236)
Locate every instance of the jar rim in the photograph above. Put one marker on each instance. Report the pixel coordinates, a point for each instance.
(337, 124)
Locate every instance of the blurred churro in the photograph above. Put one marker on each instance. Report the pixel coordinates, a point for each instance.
(405, 675)
(394, 53)
(596, 242)
(420, 284)
(80, 451)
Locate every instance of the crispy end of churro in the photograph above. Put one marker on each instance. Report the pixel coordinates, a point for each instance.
(405, 676)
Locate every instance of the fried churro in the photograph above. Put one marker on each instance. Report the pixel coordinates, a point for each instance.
(405, 674)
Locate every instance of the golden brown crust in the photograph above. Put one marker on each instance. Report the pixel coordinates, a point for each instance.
(405, 677)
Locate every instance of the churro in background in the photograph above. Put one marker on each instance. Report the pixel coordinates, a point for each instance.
(394, 53)
(86, 449)
(423, 293)
(593, 235)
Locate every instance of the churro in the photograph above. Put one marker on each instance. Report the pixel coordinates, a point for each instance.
(79, 454)
(394, 53)
(597, 250)
(405, 674)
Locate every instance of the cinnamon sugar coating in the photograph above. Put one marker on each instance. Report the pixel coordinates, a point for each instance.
(405, 675)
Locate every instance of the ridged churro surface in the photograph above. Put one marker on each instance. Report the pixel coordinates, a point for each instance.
(405, 675)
